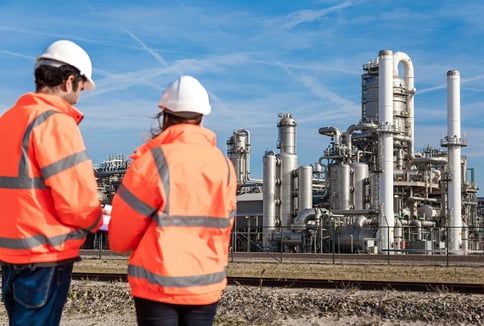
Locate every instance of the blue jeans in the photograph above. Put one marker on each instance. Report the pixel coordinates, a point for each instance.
(164, 314)
(35, 295)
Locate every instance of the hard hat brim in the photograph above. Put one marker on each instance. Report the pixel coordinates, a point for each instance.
(89, 85)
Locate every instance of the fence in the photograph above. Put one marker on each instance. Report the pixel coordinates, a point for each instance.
(336, 243)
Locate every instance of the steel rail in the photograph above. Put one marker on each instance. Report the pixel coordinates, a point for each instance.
(314, 258)
(267, 282)
(359, 284)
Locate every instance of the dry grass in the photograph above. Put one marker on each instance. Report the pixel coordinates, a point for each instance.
(362, 272)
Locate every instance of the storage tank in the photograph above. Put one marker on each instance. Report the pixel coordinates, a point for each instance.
(269, 198)
(360, 175)
(352, 239)
(288, 164)
(304, 187)
(339, 175)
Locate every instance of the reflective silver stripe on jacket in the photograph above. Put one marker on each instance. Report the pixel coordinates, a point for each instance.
(23, 181)
(176, 281)
(228, 170)
(204, 221)
(40, 240)
(164, 172)
(64, 164)
(134, 202)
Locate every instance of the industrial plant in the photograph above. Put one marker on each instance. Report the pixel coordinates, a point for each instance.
(369, 192)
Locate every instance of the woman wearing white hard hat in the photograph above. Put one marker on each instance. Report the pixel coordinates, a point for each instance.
(175, 210)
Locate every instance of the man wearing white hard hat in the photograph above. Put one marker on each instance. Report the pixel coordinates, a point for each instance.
(47, 186)
(175, 210)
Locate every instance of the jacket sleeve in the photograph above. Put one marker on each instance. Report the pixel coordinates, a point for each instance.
(67, 172)
(135, 203)
(232, 188)
(232, 204)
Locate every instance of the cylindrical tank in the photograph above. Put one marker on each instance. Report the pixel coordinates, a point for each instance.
(288, 164)
(371, 103)
(400, 111)
(360, 174)
(352, 239)
(305, 187)
(455, 183)
(317, 167)
(428, 212)
(287, 133)
(238, 150)
(374, 191)
(287, 167)
(370, 97)
(269, 197)
(340, 186)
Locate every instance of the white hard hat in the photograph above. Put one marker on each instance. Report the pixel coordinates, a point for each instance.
(185, 96)
(68, 52)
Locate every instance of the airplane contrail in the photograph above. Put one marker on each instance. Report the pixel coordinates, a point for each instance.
(147, 48)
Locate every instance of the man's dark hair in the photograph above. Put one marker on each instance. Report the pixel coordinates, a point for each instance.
(48, 76)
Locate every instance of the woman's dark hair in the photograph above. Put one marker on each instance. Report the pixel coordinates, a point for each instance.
(48, 76)
(172, 120)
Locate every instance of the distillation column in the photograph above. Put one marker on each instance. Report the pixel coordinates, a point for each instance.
(238, 149)
(288, 164)
(279, 203)
(455, 143)
(385, 109)
(270, 199)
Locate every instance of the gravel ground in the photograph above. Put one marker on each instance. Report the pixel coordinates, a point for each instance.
(99, 303)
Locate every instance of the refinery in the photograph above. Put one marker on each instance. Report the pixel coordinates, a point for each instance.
(369, 192)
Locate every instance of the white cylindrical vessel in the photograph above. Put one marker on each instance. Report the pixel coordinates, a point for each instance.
(454, 145)
(287, 167)
(340, 183)
(305, 187)
(238, 151)
(360, 175)
(385, 108)
(269, 198)
(404, 59)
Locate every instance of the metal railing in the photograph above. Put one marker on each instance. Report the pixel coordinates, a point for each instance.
(336, 244)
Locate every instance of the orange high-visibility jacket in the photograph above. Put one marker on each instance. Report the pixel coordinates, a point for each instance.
(175, 208)
(47, 186)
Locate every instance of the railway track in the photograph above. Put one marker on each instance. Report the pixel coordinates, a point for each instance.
(329, 258)
(268, 282)
(366, 259)
(410, 273)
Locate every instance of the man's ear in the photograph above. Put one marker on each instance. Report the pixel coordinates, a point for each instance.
(67, 84)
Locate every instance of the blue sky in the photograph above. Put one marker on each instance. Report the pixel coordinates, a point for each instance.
(256, 58)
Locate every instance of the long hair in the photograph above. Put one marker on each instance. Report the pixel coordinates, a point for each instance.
(166, 119)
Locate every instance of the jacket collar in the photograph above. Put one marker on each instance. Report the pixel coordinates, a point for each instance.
(56, 102)
(180, 133)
